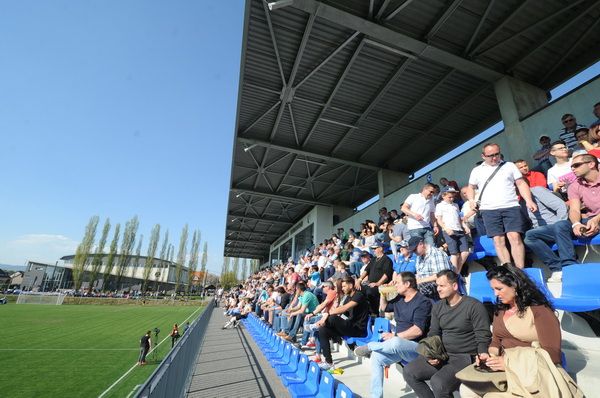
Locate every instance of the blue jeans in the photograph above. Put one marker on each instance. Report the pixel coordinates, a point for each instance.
(297, 321)
(425, 233)
(277, 320)
(540, 240)
(307, 333)
(355, 268)
(386, 353)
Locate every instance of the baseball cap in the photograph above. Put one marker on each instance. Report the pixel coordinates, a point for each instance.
(376, 245)
(403, 243)
(413, 242)
(365, 253)
(449, 189)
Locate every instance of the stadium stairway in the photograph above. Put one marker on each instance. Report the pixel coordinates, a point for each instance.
(230, 364)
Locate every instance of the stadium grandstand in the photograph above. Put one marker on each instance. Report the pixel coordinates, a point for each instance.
(340, 103)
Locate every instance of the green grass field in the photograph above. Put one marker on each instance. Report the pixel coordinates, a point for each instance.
(79, 350)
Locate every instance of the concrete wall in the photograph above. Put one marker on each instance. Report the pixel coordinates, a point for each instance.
(545, 121)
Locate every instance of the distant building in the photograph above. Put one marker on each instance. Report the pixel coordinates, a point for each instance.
(50, 277)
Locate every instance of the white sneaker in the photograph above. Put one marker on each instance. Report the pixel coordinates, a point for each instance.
(555, 277)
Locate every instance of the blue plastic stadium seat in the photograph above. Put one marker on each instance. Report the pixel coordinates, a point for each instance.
(292, 364)
(595, 240)
(369, 333)
(310, 387)
(580, 288)
(285, 358)
(277, 353)
(380, 323)
(479, 288)
(299, 376)
(487, 244)
(326, 386)
(342, 391)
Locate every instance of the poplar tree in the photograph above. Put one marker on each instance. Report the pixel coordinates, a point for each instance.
(152, 246)
(138, 255)
(204, 257)
(244, 269)
(236, 267)
(193, 262)
(181, 257)
(83, 251)
(110, 261)
(127, 245)
(99, 255)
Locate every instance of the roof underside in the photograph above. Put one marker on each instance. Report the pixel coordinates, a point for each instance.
(333, 91)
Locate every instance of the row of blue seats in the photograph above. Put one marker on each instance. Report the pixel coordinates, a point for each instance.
(303, 378)
(580, 287)
(484, 246)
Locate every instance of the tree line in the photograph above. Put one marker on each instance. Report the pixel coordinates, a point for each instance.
(230, 270)
(87, 263)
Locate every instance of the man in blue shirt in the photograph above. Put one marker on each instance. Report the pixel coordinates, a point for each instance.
(407, 262)
(412, 311)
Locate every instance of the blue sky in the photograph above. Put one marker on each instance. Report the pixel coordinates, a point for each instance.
(115, 109)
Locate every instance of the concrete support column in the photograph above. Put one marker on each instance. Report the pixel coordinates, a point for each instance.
(517, 99)
(389, 181)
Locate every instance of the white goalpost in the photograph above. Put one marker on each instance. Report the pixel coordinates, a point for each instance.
(48, 298)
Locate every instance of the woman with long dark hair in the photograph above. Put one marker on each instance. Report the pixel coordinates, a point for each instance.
(522, 315)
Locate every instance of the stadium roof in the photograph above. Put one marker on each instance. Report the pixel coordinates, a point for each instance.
(333, 91)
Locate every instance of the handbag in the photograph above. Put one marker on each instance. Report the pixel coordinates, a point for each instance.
(482, 381)
(432, 347)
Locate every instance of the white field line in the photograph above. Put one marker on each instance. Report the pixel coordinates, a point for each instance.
(69, 349)
(136, 365)
(133, 391)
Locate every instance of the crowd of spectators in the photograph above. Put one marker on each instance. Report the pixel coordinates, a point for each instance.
(330, 292)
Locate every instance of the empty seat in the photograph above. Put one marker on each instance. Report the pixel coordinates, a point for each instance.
(369, 333)
(485, 244)
(342, 391)
(580, 288)
(326, 386)
(310, 387)
(284, 360)
(299, 376)
(479, 288)
(292, 364)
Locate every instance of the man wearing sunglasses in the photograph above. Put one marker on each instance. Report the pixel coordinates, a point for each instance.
(584, 196)
(499, 204)
(567, 133)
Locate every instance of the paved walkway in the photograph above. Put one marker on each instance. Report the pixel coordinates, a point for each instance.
(230, 364)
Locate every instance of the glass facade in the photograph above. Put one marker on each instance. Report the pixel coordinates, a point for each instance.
(304, 240)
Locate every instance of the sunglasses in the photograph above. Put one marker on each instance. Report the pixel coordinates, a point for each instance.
(576, 165)
(568, 120)
(493, 155)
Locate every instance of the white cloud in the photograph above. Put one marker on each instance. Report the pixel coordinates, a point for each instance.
(46, 248)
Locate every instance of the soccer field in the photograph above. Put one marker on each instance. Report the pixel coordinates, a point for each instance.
(79, 350)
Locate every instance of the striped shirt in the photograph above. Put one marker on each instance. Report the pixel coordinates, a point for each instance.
(434, 261)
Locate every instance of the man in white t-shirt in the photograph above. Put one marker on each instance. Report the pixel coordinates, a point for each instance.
(499, 205)
(560, 175)
(420, 208)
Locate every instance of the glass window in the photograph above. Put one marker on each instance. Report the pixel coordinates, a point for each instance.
(304, 241)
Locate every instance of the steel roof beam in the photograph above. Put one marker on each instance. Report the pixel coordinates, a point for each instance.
(266, 144)
(243, 231)
(233, 216)
(280, 198)
(553, 36)
(337, 86)
(397, 39)
(498, 27)
(249, 242)
(397, 10)
(442, 19)
(380, 94)
(534, 25)
(479, 25)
